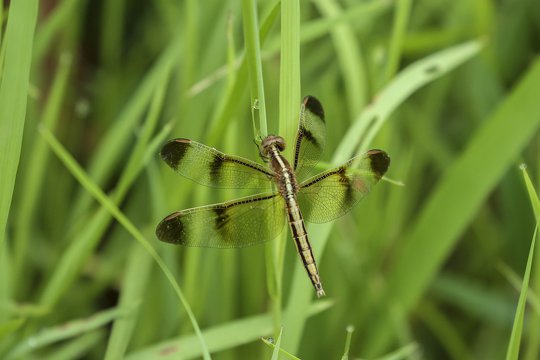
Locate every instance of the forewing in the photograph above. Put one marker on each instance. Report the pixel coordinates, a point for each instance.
(242, 222)
(310, 138)
(333, 193)
(210, 167)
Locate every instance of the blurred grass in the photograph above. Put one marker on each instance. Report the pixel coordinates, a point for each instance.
(447, 88)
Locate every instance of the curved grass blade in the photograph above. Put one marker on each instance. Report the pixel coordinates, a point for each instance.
(416, 75)
(66, 331)
(458, 196)
(219, 337)
(110, 206)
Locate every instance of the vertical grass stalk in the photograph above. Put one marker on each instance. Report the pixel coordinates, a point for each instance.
(13, 95)
(289, 103)
(254, 61)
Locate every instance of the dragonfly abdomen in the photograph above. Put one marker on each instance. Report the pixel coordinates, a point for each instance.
(300, 236)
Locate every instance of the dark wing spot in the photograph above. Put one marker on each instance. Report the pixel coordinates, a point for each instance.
(312, 104)
(345, 181)
(171, 229)
(308, 135)
(174, 150)
(221, 217)
(379, 161)
(215, 166)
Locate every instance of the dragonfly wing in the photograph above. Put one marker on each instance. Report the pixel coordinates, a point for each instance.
(210, 167)
(310, 138)
(333, 193)
(238, 223)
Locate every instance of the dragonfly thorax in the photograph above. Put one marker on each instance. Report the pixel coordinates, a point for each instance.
(272, 141)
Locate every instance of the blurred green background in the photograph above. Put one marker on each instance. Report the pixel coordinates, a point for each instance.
(428, 266)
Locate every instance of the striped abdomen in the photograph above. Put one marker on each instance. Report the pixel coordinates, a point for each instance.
(300, 236)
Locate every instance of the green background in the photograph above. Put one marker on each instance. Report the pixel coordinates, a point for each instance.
(429, 266)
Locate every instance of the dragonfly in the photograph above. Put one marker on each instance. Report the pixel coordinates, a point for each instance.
(288, 192)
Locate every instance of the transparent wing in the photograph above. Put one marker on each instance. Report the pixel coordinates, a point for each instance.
(333, 193)
(310, 138)
(242, 222)
(210, 167)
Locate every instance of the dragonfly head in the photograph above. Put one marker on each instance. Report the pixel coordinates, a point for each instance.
(269, 142)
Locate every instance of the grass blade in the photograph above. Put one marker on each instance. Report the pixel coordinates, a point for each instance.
(349, 56)
(78, 347)
(278, 350)
(68, 330)
(289, 104)
(416, 75)
(37, 165)
(254, 61)
(289, 71)
(517, 327)
(277, 346)
(218, 337)
(13, 95)
(401, 19)
(133, 287)
(108, 204)
(459, 195)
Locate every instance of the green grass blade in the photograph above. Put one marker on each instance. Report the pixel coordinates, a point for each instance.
(133, 288)
(37, 166)
(278, 350)
(219, 337)
(87, 237)
(53, 24)
(277, 346)
(110, 206)
(15, 76)
(535, 202)
(230, 104)
(73, 257)
(349, 56)
(516, 281)
(113, 14)
(416, 75)
(109, 152)
(289, 71)
(517, 328)
(361, 13)
(309, 31)
(401, 19)
(78, 347)
(254, 61)
(458, 196)
(532, 349)
(289, 104)
(67, 330)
